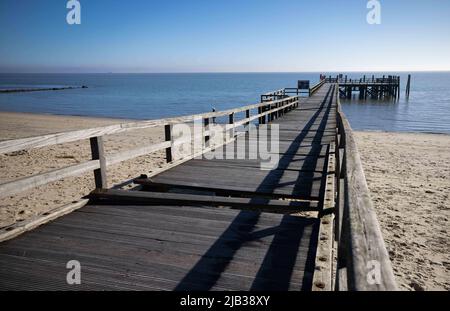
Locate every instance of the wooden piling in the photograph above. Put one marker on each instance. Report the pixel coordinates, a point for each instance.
(408, 86)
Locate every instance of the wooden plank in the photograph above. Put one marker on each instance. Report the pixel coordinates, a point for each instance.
(286, 148)
(294, 163)
(322, 280)
(366, 240)
(165, 219)
(238, 190)
(237, 275)
(85, 233)
(134, 197)
(134, 153)
(123, 252)
(16, 229)
(305, 185)
(199, 212)
(30, 182)
(216, 173)
(153, 246)
(181, 234)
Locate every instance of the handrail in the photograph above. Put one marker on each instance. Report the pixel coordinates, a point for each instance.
(385, 80)
(100, 161)
(70, 136)
(314, 88)
(363, 261)
(277, 92)
(282, 93)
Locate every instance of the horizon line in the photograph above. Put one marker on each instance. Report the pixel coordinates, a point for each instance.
(231, 72)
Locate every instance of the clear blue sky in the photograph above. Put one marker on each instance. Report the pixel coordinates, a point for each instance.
(223, 36)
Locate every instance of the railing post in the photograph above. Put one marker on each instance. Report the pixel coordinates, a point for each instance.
(231, 122)
(98, 153)
(259, 112)
(168, 137)
(206, 128)
(267, 117)
(263, 118)
(247, 116)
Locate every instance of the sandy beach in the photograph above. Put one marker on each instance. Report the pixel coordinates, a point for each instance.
(44, 198)
(409, 179)
(408, 176)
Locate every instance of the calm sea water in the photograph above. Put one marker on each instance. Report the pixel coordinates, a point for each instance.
(152, 96)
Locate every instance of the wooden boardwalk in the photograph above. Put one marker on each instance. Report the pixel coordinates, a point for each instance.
(304, 136)
(163, 248)
(200, 225)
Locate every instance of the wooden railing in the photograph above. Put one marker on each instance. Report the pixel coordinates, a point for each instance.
(314, 88)
(290, 91)
(363, 262)
(364, 80)
(100, 160)
(275, 95)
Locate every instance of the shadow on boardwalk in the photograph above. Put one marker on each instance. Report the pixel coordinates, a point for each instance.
(275, 272)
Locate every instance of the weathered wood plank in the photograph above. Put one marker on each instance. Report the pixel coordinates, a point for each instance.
(16, 229)
(366, 248)
(322, 280)
(134, 153)
(114, 258)
(305, 185)
(26, 183)
(294, 163)
(134, 197)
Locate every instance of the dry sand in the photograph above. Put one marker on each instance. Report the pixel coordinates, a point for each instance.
(409, 179)
(408, 176)
(25, 163)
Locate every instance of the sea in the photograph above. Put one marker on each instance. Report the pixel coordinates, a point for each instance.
(154, 96)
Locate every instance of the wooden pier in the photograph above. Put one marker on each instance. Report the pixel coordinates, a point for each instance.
(383, 88)
(203, 223)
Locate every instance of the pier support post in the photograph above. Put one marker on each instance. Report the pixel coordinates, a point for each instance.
(408, 86)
